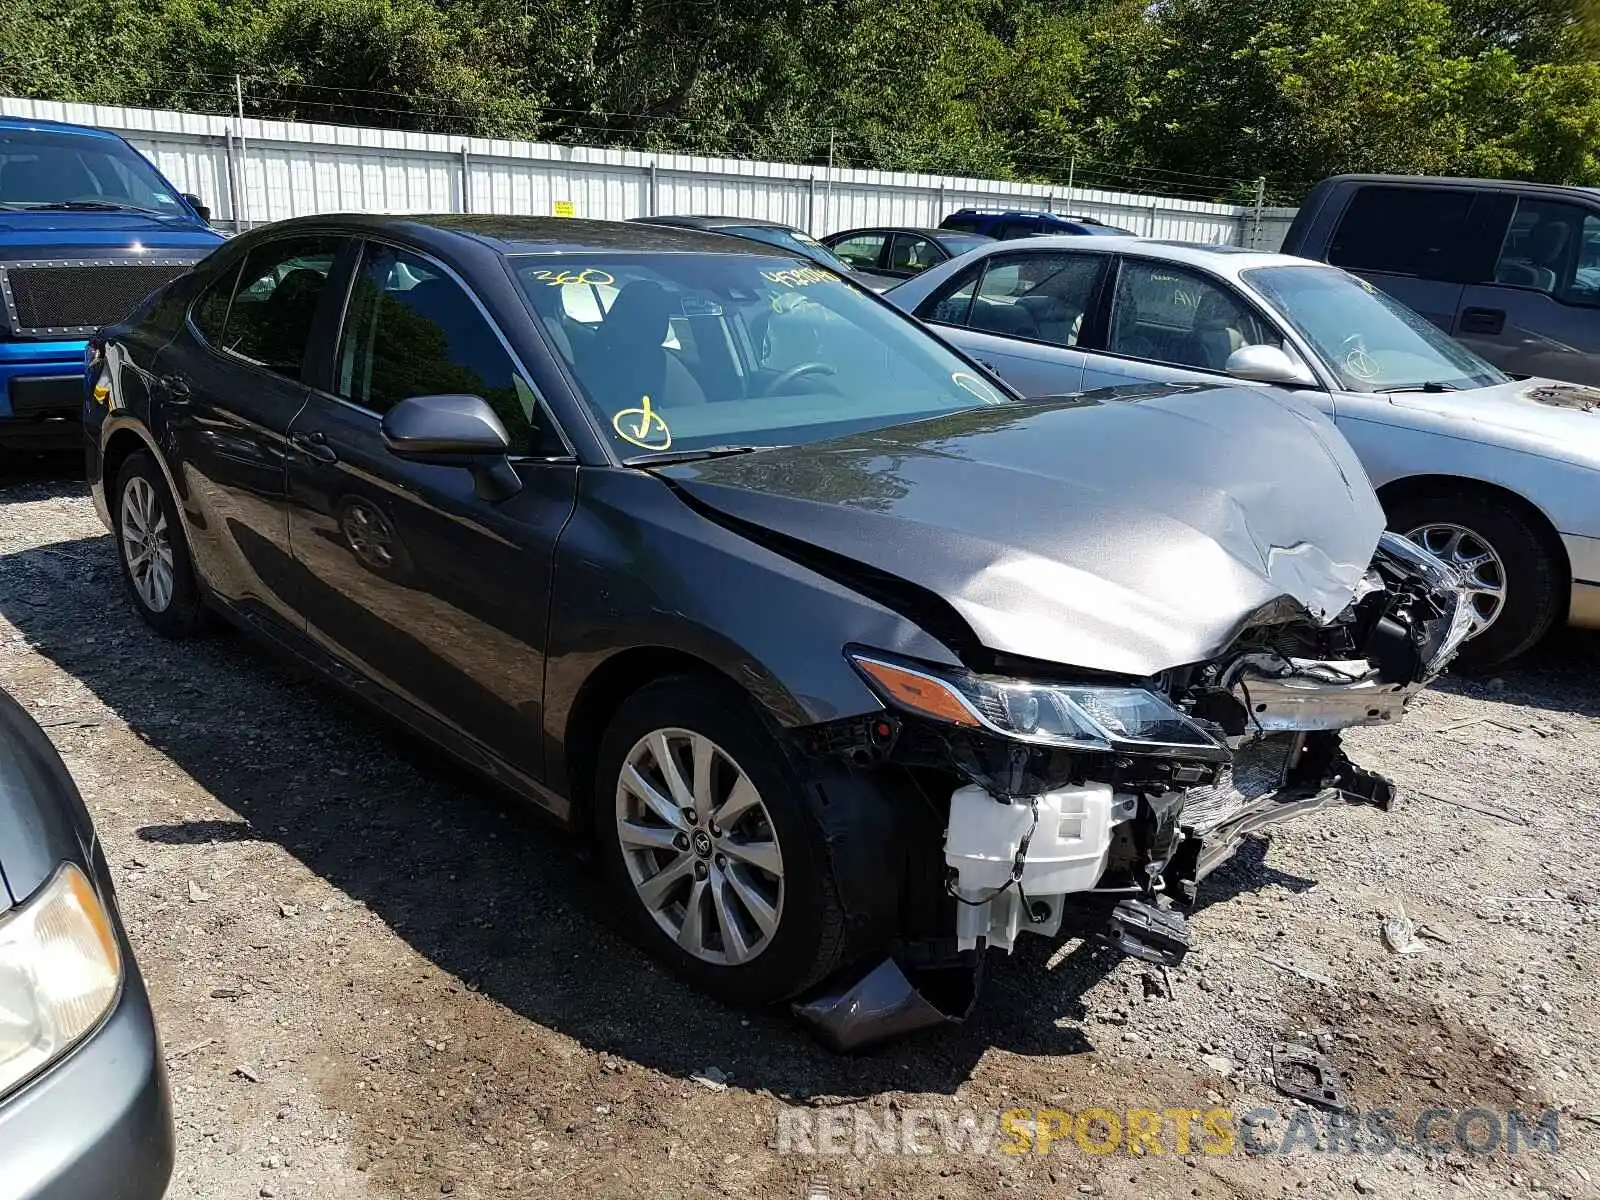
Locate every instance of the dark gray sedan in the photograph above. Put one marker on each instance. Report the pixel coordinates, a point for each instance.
(836, 646)
(84, 1108)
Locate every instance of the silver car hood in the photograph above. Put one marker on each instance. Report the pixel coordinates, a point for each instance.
(1128, 530)
(1542, 416)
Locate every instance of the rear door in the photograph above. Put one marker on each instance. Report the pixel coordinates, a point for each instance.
(435, 596)
(1534, 308)
(1413, 242)
(231, 382)
(1021, 315)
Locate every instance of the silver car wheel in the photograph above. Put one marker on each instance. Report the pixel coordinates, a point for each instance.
(1480, 566)
(146, 547)
(700, 846)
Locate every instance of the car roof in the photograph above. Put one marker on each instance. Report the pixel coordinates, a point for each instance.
(538, 235)
(1222, 259)
(39, 125)
(711, 222)
(924, 230)
(1494, 185)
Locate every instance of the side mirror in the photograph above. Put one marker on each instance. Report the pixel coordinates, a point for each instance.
(199, 206)
(1268, 364)
(454, 431)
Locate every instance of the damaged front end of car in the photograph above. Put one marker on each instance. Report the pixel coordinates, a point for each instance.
(1088, 805)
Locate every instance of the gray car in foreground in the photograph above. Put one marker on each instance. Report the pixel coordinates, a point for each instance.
(848, 659)
(84, 1107)
(1499, 476)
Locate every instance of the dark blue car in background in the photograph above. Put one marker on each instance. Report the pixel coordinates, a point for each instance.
(88, 229)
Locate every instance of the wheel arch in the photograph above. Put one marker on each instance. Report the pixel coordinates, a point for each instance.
(599, 697)
(1413, 487)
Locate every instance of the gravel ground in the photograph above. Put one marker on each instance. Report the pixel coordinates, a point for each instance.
(373, 978)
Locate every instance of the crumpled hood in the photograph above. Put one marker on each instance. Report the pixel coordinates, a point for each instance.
(1126, 530)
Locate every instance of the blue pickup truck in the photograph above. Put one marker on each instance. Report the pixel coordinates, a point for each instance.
(88, 228)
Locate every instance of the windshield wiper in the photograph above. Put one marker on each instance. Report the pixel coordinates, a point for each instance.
(89, 206)
(1433, 385)
(667, 457)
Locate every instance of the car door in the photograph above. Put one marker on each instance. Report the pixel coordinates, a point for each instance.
(231, 384)
(1171, 323)
(1413, 242)
(1537, 311)
(436, 598)
(1020, 314)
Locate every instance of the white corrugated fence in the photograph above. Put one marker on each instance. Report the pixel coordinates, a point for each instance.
(280, 169)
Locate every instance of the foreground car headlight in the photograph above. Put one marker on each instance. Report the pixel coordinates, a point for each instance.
(1086, 717)
(59, 973)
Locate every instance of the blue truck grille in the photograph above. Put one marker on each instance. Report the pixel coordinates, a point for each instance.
(76, 296)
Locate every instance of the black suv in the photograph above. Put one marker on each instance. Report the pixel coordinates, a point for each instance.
(1510, 269)
(1003, 223)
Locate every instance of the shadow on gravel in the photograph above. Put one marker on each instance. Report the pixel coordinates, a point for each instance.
(492, 895)
(1556, 675)
(60, 472)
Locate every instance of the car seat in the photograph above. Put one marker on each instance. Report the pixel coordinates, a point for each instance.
(630, 361)
(1215, 336)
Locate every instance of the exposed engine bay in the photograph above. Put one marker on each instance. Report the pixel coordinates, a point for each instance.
(1094, 806)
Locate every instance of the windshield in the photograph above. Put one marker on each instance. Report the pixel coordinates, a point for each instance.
(1371, 341)
(687, 351)
(46, 169)
(793, 241)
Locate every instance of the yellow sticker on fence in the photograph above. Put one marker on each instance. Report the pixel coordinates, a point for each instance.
(642, 426)
(564, 208)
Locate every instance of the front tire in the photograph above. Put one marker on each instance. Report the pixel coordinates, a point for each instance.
(710, 841)
(1515, 578)
(153, 551)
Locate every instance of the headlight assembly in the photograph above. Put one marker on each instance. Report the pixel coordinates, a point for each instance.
(59, 972)
(1086, 717)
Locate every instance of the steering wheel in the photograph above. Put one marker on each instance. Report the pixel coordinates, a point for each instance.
(795, 372)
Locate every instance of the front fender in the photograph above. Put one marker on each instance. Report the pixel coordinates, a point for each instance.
(639, 570)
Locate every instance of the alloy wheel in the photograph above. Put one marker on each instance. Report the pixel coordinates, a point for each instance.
(368, 535)
(700, 846)
(1482, 572)
(146, 545)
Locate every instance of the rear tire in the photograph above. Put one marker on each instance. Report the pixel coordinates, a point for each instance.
(759, 882)
(1528, 572)
(153, 551)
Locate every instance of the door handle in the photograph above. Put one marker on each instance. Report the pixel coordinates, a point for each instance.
(314, 445)
(1483, 320)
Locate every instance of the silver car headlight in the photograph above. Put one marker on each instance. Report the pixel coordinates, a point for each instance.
(1130, 720)
(60, 970)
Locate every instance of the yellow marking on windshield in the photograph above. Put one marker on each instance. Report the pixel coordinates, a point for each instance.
(571, 278)
(649, 430)
(800, 277)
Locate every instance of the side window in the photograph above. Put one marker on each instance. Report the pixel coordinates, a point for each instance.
(1403, 231)
(210, 310)
(1554, 248)
(950, 304)
(862, 250)
(1042, 297)
(912, 252)
(410, 330)
(1018, 227)
(1172, 315)
(963, 224)
(279, 285)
